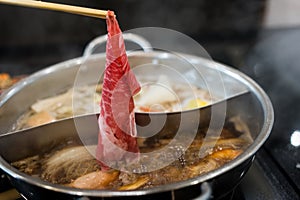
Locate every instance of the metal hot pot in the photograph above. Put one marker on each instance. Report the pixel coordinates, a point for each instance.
(244, 98)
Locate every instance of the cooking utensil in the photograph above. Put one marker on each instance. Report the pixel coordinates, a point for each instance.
(90, 12)
(253, 107)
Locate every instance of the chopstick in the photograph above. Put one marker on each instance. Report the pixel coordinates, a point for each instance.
(58, 7)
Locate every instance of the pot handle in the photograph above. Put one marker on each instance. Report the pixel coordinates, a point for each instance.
(142, 42)
(205, 192)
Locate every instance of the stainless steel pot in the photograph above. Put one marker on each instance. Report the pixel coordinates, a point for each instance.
(243, 98)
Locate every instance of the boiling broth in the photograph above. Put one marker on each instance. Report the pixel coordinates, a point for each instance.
(70, 163)
(87, 100)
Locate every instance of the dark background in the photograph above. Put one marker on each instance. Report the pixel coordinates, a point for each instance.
(31, 39)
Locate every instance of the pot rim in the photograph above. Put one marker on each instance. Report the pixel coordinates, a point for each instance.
(250, 151)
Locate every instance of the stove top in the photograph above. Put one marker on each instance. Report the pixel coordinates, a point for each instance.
(274, 64)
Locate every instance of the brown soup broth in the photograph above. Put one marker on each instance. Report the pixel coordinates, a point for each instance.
(70, 160)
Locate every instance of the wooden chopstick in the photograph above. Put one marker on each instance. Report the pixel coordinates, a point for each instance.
(58, 7)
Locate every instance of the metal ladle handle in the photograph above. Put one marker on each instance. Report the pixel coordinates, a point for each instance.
(142, 42)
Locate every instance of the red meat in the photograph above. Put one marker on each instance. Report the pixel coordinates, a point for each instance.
(117, 129)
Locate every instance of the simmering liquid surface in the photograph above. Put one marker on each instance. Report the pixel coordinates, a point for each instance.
(72, 165)
(85, 100)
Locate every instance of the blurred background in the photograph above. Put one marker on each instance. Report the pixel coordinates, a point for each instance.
(259, 37)
(31, 39)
